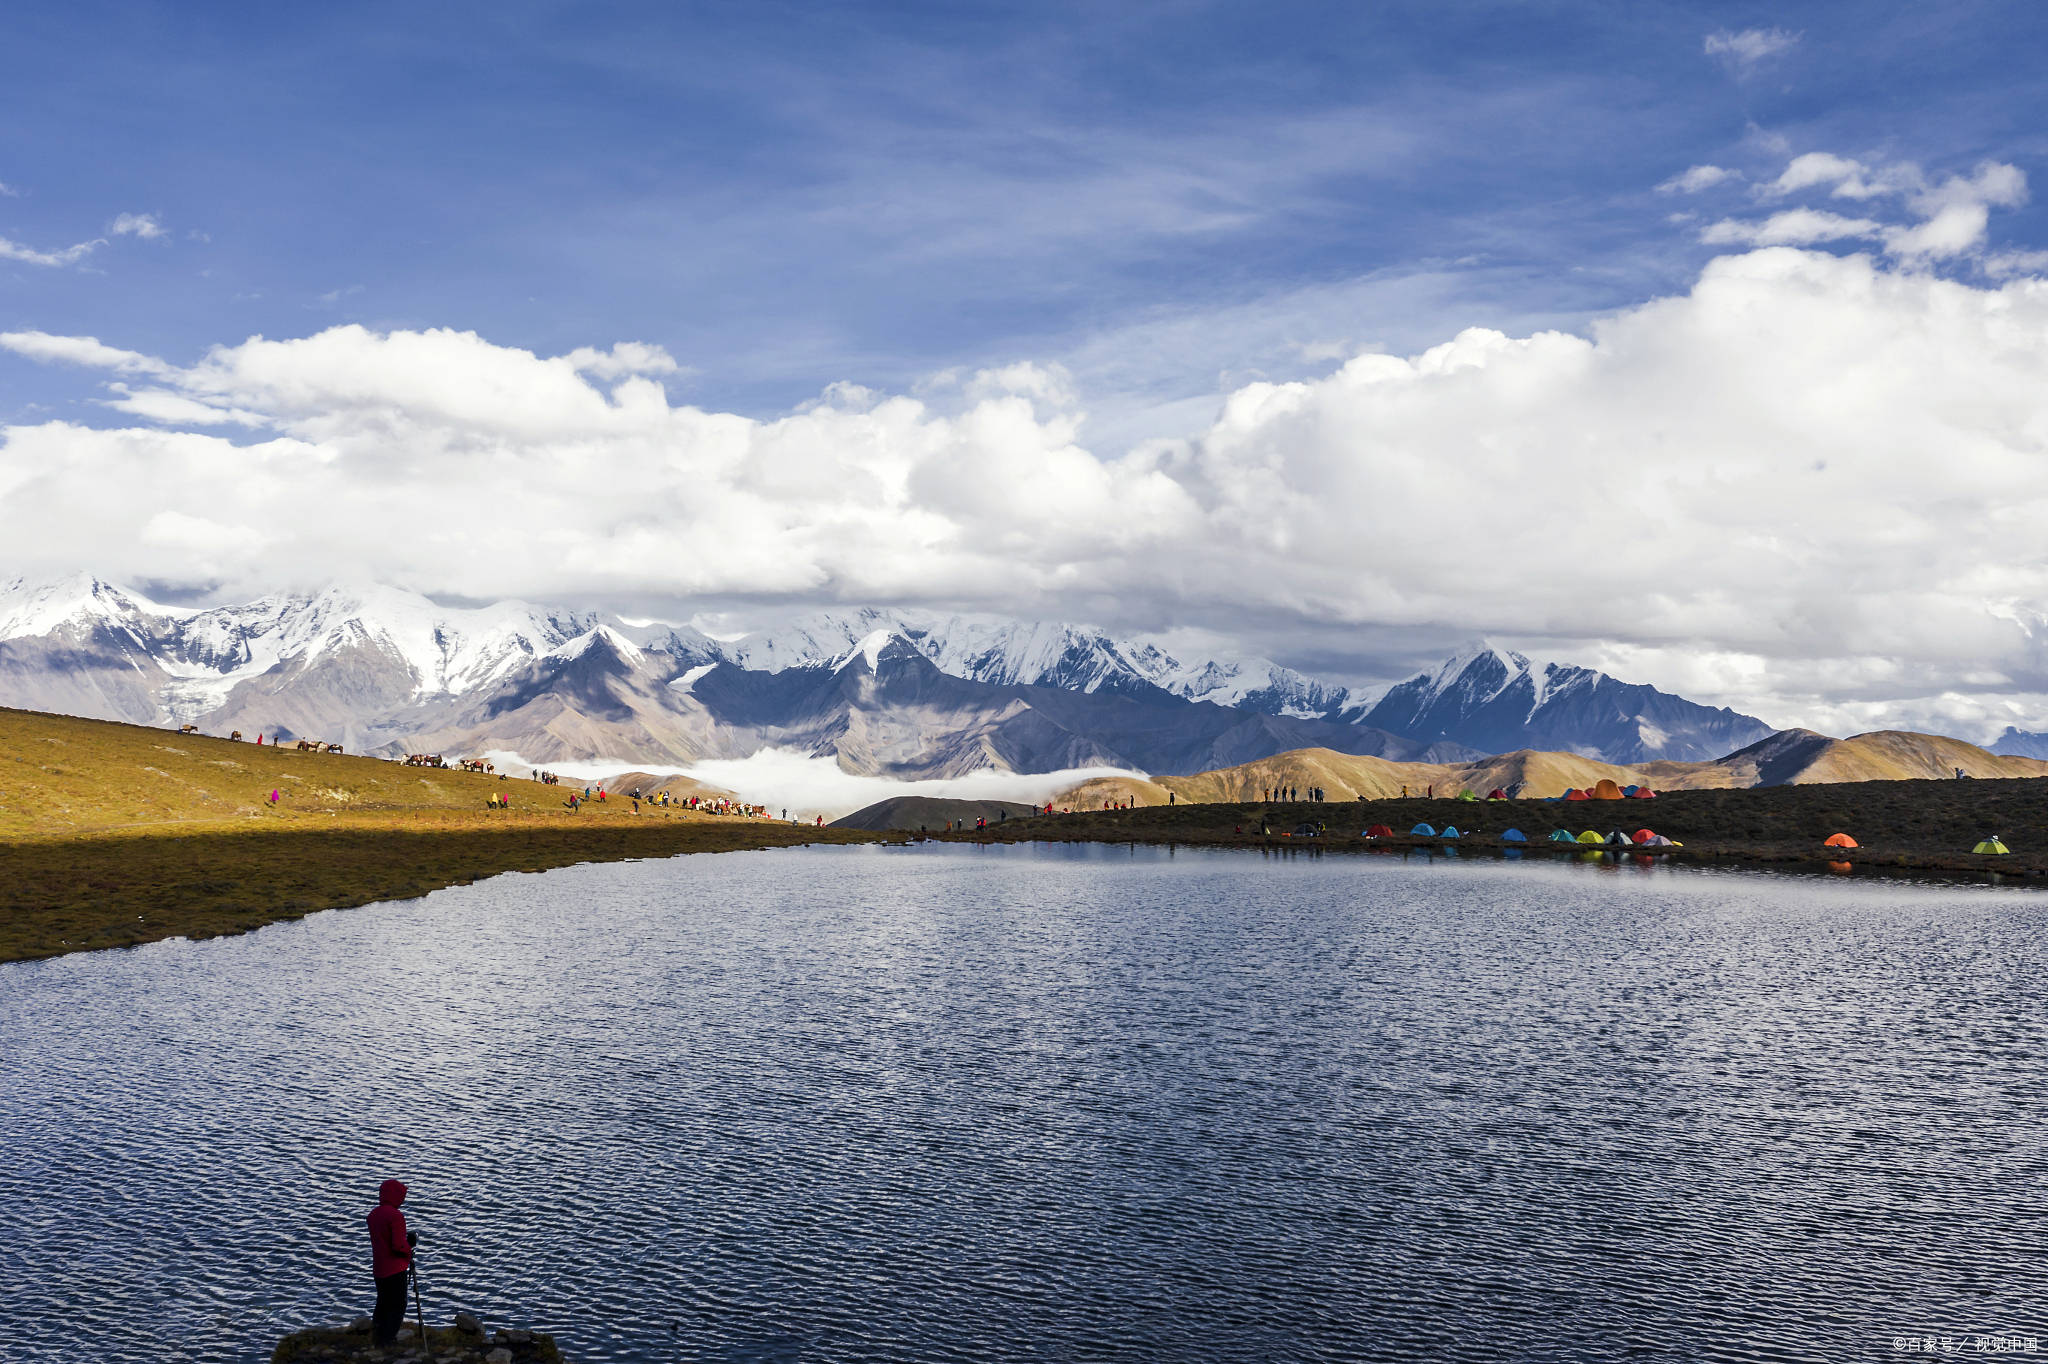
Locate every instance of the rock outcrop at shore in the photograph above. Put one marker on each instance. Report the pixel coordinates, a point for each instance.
(468, 1341)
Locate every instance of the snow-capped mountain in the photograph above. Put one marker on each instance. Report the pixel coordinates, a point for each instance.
(1048, 654)
(1495, 700)
(381, 670)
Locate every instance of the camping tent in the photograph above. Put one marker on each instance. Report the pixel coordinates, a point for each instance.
(1589, 837)
(1839, 841)
(1643, 793)
(1630, 790)
(1423, 830)
(1991, 846)
(1496, 794)
(1450, 831)
(1659, 841)
(1379, 831)
(1576, 794)
(1466, 795)
(1562, 836)
(1618, 839)
(1645, 835)
(1514, 836)
(1605, 789)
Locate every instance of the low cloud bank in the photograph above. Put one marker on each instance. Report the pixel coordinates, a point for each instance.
(809, 786)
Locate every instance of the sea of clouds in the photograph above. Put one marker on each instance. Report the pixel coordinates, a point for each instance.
(808, 786)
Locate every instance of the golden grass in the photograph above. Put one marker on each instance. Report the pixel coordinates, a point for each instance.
(114, 834)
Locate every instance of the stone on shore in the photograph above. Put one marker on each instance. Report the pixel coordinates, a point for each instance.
(465, 1342)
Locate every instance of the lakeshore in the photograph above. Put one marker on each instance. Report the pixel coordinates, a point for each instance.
(1900, 827)
(114, 835)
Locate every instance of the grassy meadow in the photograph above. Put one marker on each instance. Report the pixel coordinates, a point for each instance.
(113, 834)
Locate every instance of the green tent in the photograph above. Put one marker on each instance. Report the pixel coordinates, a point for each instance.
(1991, 846)
(1466, 795)
(1590, 837)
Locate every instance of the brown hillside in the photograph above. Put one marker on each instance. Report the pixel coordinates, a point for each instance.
(1793, 757)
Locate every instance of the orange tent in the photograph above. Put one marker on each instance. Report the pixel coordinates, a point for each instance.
(1644, 835)
(1839, 841)
(1576, 794)
(1605, 789)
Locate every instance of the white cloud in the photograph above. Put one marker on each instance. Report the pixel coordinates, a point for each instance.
(1697, 179)
(1951, 217)
(627, 357)
(1813, 482)
(1742, 52)
(143, 225)
(8, 191)
(80, 350)
(2006, 264)
(63, 255)
(1794, 227)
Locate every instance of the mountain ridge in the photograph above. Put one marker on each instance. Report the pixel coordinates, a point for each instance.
(383, 670)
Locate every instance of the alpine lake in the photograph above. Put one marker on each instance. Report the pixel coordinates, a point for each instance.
(1055, 1103)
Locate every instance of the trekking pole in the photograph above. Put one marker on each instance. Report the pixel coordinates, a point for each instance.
(412, 1272)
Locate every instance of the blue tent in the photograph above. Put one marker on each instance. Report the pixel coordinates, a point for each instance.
(1630, 790)
(1451, 831)
(1563, 836)
(1514, 836)
(1424, 830)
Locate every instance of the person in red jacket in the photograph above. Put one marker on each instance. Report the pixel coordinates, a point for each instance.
(390, 1258)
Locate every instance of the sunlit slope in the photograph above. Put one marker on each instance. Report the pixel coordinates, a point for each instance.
(1794, 757)
(59, 775)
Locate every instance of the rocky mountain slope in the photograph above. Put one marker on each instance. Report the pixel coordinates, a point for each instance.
(1494, 700)
(2021, 743)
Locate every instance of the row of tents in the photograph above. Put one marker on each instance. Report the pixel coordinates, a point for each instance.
(1604, 789)
(1642, 838)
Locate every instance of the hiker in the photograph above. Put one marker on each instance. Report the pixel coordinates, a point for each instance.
(273, 795)
(390, 1260)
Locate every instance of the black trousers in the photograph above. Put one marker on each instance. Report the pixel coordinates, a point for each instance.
(390, 1308)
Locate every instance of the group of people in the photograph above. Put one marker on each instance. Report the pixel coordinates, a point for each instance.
(1292, 794)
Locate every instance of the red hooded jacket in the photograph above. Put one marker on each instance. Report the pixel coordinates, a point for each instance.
(389, 1254)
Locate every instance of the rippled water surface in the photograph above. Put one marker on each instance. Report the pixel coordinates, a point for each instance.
(1052, 1104)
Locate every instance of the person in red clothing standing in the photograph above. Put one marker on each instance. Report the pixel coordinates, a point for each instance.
(390, 1259)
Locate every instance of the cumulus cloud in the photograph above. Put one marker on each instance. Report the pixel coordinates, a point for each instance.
(1741, 52)
(1698, 178)
(1811, 482)
(143, 225)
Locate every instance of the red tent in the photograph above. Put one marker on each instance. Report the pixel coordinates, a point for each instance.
(1496, 794)
(1576, 794)
(1644, 793)
(1379, 831)
(1644, 835)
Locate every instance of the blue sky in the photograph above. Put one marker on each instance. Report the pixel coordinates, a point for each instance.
(1168, 198)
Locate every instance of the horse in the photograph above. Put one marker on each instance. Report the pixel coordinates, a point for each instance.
(236, 734)
(188, 729)
(330, 748)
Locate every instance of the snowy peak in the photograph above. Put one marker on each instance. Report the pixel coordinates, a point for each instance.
(1496, 701)
(29, 609)
(871, 648)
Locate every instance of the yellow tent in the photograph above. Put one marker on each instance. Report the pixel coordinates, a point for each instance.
(1590, 837)
(1991, 846)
